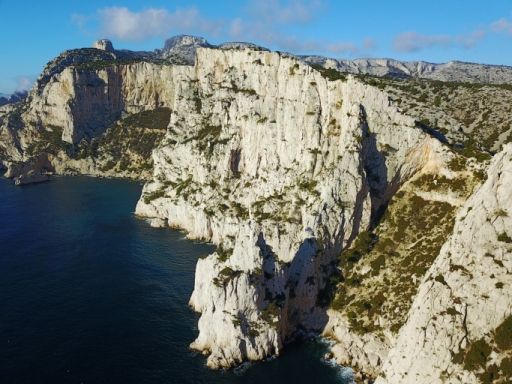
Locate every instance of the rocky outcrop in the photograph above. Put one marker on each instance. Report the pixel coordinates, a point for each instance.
(184, 47)
(35, 171)
(365, 353)
(455, 330)
(104, 45)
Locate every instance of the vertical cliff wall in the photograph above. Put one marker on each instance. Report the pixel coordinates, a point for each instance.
(281, 168)
(84, 100)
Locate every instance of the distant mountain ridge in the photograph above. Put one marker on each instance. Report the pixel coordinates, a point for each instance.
(16, 96)
(182, 49)
(457, 71)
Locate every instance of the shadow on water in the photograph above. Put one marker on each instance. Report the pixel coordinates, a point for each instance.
(90, 293)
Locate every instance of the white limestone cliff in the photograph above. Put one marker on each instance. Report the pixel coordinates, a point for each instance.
(282, 185)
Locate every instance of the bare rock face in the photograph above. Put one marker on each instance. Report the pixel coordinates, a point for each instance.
(104, 45)
(158, 223)
(364, 353)
(457, 326)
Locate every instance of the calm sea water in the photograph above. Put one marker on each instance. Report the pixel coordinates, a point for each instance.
(89, 293)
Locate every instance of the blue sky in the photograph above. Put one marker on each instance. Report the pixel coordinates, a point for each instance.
(34, 32)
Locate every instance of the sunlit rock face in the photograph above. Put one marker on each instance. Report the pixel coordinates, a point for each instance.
(104, 45)
(281, 168)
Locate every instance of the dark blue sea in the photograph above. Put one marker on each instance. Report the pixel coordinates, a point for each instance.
(89, 293)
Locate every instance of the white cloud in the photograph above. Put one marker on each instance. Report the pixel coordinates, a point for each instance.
(342, 47)
(369, 44)
(263, 23)
(470, 40)
(502, 25)
(267, 35)
(79, 20)
(413, 41)
(122, 24)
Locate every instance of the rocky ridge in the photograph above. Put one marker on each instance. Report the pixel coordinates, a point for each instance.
(329, 195)
(457, 71)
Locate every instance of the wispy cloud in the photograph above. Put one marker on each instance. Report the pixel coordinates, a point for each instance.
(413, 41)
(263, 22)
(122, 24)
(24, 83)
(79, 20)
(501, 25)
(285, 11)
(266, 20)
(471, 39)
(258, 31)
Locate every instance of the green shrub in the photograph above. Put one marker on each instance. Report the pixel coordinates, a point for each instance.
(506, 367)
(501, 213)
(223, 254)
(503, 237)
(477, 355)
(253, 333)
(330, 74)
(503, 334)
(271, 314)
(154, 195)
(378, 263)
(227, 273)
